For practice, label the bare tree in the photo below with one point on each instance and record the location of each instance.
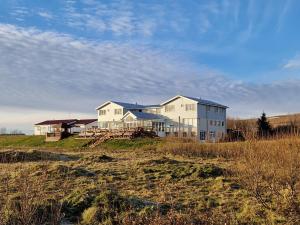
(3, 130)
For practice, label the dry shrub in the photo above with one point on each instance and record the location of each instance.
(191, 148)
(177, 218)
(29, 204)
(271, 172)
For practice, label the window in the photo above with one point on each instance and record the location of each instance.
(219, 123)
(222, 123)
(118, 111)
(207, 108)
(169, 108)
(102, 112)
(215, 122)
(216, 109)
(103, 125)
(211, 122)
(202, 135)
(158, 111)
(212, 135)
(190, 107)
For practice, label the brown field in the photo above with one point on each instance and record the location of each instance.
(149, 181)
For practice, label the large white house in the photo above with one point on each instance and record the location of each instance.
(179, 116)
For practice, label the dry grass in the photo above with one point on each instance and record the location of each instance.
(168, 181)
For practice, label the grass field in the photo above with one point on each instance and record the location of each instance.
(149, 181)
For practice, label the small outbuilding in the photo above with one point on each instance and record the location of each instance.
(70, 126)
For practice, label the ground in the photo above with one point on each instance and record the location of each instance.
(145, 180)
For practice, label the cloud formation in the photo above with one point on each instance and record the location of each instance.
(56, 72)
(293, 63)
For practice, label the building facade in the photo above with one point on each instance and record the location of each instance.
(69, 125)
(180, 116)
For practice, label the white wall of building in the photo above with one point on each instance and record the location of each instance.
(212, 119)
(110, 113)
(42, 129)
(184, 116)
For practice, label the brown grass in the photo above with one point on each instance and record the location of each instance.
(173, 181)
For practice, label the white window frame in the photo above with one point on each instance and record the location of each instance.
(190, 107)
(102, 112)
(118, 111)
(169, 108)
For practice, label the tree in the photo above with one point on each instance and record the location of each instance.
(3, 130)
(264, 127)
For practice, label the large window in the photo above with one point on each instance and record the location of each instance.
(118, 111)
(202, 135)
(216, 109)
(169, 108)
(102, 112)
(190, 107)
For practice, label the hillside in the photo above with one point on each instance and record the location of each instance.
(278, 120)
(149, 181)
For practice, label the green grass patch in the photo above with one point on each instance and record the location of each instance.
(130, 144)
(39, 141)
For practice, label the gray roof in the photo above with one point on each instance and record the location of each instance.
(146, 116)
(152, 106)
(123, 104)
(206, 102)
(129, 105)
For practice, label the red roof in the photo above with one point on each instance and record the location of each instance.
(67, 121)
(52, 122)
(86, 121)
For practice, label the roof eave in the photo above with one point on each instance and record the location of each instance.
(177, 96)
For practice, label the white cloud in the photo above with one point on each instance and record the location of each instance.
(56, 72)
(282, 14)
(293, 63)
(46, 15)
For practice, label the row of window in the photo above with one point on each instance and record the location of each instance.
(214, 109)
(188, 107)
(212, 135)
(216, 123)
(102, 112)
(192, 107)
(171, 108)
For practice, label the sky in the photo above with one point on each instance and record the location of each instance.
(62, 58)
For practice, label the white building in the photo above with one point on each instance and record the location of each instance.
(179, 116)
(70, 125)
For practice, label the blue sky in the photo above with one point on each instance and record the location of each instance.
(63, 58)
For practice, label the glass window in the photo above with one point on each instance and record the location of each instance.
(222, 123)
(202, 135)
(118, 111)
(211, 122)
(169, 108)
(216, 109)
(190, 107)
(102, 112)
(212, 134)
